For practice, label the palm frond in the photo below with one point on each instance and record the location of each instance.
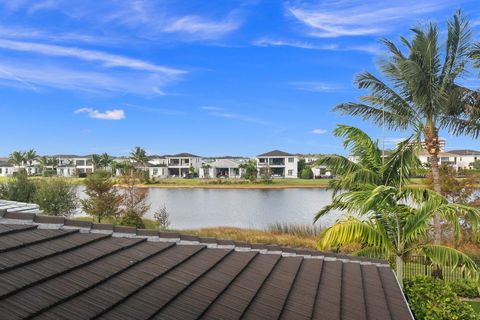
(377, 115)
(446, 256)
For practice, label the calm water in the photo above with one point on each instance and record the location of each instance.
(197, 208)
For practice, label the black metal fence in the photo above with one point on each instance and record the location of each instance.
(421, 266)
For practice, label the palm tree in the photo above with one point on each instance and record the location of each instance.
(42, 163)
(371, 166)
(96, 160)
(17, 158)
(424, 95)
(139, 155)
(105, 160)
(385, 225)
(30, 156)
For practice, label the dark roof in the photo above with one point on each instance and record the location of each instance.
(466, 152)
(183, 155)
(114, 272)
(5, 164)
(275, 153)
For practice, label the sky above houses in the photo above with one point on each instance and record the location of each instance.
(206, 77)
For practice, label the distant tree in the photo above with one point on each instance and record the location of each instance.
(191, 172)
(206, 171)
(306, 173)
(162, 217)
(30, 156)
(96, 161)
(17, 158)
(139, 155)
(103, 200)
(475, 165)
(250, 168)
(20, 188)
(105, 160)
(300, 166)
(42, 163)
(134, 201)
(55, 197)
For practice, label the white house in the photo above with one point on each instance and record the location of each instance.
(179, 164)
(66, 170)
(221, 168)
(447, 158)
(6, 169)
(82, 164)
(280, 163)
(466, 157)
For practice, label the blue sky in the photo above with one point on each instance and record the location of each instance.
(207, 77)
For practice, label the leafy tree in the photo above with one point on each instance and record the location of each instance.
(250, 168)
(423, 94)
(55, 197)
(306, 173)
(387, 221)
(300, 166)
(105, 160)
(475, 165)
(134, 201)
(17, 158)
(20, 188)
(103, 200)
(96, 161)
(139, 155)
(30, 156)
(205, 168)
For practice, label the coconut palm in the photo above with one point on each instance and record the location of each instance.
(422, 93)
(96, 160)
(139, 155)
(17, 158)
(105, 160)
(30, 156)
(371, 167)
(382, 222)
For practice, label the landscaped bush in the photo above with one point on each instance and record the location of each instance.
(465, 288)
(433, 299)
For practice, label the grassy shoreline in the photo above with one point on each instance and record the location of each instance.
(178, 183)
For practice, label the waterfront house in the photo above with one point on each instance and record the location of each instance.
(281, 164)
(221, 168)
(6, 169)
(66, 170)
(179, 164)
(466, 157)
(444, 158)
(83, 164)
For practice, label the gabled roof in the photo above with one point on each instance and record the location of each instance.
(275, 153)
(57, 268)
(440, 154)
(465, 152)
(182, 155)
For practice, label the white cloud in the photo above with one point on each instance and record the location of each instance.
(115, 114)
(267, 42)
(331, 19)
(201, 27)
(107, 59)
(314, 86)
(222, 113)
(319, 131)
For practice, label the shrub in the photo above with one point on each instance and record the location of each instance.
(433, 299)
(162, 217)
(20, 188)
(465, 288)
(306, 173)
(132, 219)
(56, 197)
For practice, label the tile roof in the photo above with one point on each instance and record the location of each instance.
(182, 155)
(55, 268)
(466, 152)
(275, 153)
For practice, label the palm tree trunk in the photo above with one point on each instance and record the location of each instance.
(399, 270)
(433, 148)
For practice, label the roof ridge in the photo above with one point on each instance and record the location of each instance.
(58, 222)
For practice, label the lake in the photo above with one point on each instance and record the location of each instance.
(245, 208)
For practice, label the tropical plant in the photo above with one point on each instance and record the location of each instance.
(250, 168)
(423, 94)
(56, 197)
(206, 171)
(371, 166)
(387, 221)
(20, 188)
(17, 158)
(139, 155)
(30, 156)
(96, 161)
(105, 160)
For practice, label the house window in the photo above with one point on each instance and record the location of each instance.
(80, 162)
(155, 172)
(290, 172)
(0, 170)
(291, 160)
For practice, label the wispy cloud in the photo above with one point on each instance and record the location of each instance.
(107, 59)
(319, 131)
(315, 86)
(202, 28)
(268, 42)
(330, 19)
(222, 113)
(115, 114)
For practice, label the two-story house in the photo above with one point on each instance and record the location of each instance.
(281, 164)
(179, 164)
